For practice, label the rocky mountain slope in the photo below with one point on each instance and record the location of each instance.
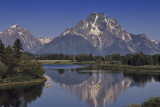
(102, 35)
(29, 42)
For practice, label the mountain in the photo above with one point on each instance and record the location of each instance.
(157, 43)
(29, 42)
(45, 40)
(69, 44)
(102, 35)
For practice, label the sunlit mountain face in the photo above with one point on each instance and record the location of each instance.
(100, 35)
(97, 34)
(82, 83)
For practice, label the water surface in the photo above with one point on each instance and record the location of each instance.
(75, 86)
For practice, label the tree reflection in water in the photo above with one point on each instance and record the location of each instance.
(20, 96)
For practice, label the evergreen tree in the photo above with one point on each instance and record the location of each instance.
(17, 50)
(9, 60)
(91, 57)
(1, 50)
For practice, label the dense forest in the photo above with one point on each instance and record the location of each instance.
(14, 61)
(138, 59)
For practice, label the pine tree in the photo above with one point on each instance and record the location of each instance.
(9, 61)
(90, 57)
(17, 47)
(17, 50)
(1, 50)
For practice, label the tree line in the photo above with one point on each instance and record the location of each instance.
(13, 61)
(137, 59)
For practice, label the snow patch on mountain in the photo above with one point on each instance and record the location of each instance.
(94, 29)
(45, 40)
(155, 41)
(29, 42)
(14, 26)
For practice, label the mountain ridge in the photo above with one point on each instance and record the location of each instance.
(29, 42)
(97, 34)
(108, 37)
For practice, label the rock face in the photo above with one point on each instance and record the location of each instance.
(104, 35)
(98, 34)
(29, 42)
(69, 44)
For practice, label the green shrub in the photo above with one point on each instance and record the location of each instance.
(3, 70)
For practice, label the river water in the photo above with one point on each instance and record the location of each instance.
(84, 86)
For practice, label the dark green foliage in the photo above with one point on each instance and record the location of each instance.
(83, 57)
(116, 57)
(138, 59)
(151, 102)
(91, 56)
(9, 60)
(17, 49)
(55, 57)
(128, 59)
(13, 61)
(1, 50)
(32, 68)
(3, 70)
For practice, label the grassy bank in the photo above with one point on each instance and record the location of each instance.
(120, 67)
(108, 66)
(64, 62)
(151, 102)
(16, 80)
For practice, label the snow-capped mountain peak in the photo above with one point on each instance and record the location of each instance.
(29, 42)
(14, 26)
(96, 28)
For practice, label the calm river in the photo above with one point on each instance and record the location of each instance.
(83, 86)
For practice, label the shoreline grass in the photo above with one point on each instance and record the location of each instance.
(151, 102)
(20, 80)
(64, 62)
(129, 68)
(107, 65)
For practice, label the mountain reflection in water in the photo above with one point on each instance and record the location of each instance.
(82, 84)
(74, 86)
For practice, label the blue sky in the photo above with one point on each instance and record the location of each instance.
(52, 17)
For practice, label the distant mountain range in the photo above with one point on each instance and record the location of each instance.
(98, 34)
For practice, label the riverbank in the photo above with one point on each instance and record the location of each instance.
(108, 66)
(151, 102)
(129, 68)
(64, 62)
(18, 80)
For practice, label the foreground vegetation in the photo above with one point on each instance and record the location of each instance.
(17, 67)
(151, 102)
